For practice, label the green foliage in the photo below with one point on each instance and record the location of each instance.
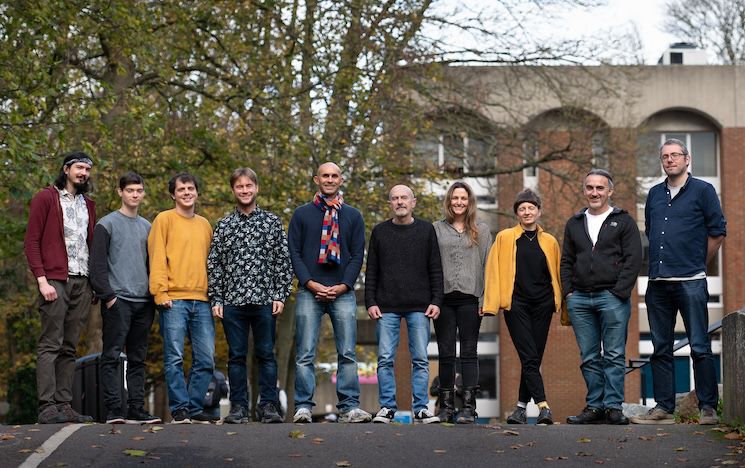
(21, 394)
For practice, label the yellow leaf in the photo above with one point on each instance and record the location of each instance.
(297, 435)
(680, 449)
(134, 453)
(584, 440)
(510, 433)
(343, 463)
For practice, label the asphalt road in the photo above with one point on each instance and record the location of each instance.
(367, 445)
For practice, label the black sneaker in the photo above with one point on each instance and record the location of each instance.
(140, 416)
(114, 417)
(545, 417)
(268, 413)
(615, 416)
(181, 416)
(385, 415)
(73, 416)
(519, 416)
(204, 418)
(589, 415)
(50, 415)
(238, 415)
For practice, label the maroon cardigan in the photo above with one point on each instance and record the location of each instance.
(44, 243)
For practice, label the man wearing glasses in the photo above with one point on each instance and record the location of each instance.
(685, 226)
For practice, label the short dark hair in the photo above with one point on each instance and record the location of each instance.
(131, 178)
(184, 178)
(601, 172)
(243, 172)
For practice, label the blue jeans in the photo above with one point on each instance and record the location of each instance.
(600, 318)
(237, 322)
(664, 299)
(343, 315)
(388, 331)
(193, 319)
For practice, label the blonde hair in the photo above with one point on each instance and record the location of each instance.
(471, 227)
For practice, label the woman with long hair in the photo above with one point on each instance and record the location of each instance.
(522, 279)
(464, 243)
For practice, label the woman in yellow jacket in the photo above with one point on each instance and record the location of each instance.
(522, 279)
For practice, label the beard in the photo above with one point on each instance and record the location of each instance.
(81, 187)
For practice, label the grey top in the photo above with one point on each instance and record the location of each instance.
(118, 263)
(463, 263)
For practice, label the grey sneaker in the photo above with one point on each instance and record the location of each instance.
(519, 416)
(708, 416)
(72, 415)
(50, 415)
(355, 415)
(425, 417)
(302, 415)
(656, 415)
(238, 415)
(385, 415)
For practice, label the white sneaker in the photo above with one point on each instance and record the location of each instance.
(385, 415)
(355, 415)
(302, 415)
(425, 417)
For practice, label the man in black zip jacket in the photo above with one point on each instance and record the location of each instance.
(600, 260)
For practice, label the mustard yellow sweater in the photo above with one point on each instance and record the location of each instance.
(499, 281)
(178, 248)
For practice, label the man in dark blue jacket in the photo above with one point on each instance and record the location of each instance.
(327, 245)
(685, 226)
(600, 261)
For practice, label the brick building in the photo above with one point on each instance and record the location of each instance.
(607, 116)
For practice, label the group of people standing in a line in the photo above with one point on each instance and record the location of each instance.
(449, 272)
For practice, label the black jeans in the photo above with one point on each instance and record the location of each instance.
(528, 324)
(125, 324)
(459, 314)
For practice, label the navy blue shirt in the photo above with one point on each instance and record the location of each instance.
(304, 237)
(679, 229)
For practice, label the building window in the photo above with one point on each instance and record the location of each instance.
(676, 58)
(457, 153)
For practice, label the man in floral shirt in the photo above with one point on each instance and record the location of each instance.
(250, 277)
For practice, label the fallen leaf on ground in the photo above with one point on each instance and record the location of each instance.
(446, 424)
(681, 449)
(682, 460)
(343, 463)
(647, 437)
(231, 433)
(499, 451)
(114, 430)
(318, 441)
(138, 438)
(440, 451)
(698, 433)
(297, 435)
(134, 453)
(583, 454)
(228, 459)
(599, 462)
(153, 457)
(729, 462)
(153, 429)
(7, 437)
(734, 436)
(584, 440)
(34, 430)
(368, 432)
(510, 433)
(295, 455)
(24, 451)
(96, 446)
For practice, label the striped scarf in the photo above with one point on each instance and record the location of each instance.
(330, 251)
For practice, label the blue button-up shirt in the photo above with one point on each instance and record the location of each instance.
(678, 229)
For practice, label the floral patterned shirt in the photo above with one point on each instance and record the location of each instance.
(75, 216)
(249, 262)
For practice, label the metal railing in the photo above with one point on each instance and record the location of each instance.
(635, 364)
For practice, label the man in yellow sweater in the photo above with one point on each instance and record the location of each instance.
(178, 245)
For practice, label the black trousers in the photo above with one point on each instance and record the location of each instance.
(459, 315)
(528, 324)
(126, 325)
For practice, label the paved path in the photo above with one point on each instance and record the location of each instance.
(366, 445)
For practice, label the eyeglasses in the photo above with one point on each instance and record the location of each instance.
(671, 156)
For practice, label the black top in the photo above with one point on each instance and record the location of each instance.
(404, 270)
(532, 278)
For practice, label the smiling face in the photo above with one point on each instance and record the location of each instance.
(185, 195)
(132, 195)
(597, 192)
(328, 179)
(77, 175)
(402, 202)
(528, 214)
(459, 202)
(245, 191)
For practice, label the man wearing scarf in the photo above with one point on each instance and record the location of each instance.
(57, 244)
(327, 246)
